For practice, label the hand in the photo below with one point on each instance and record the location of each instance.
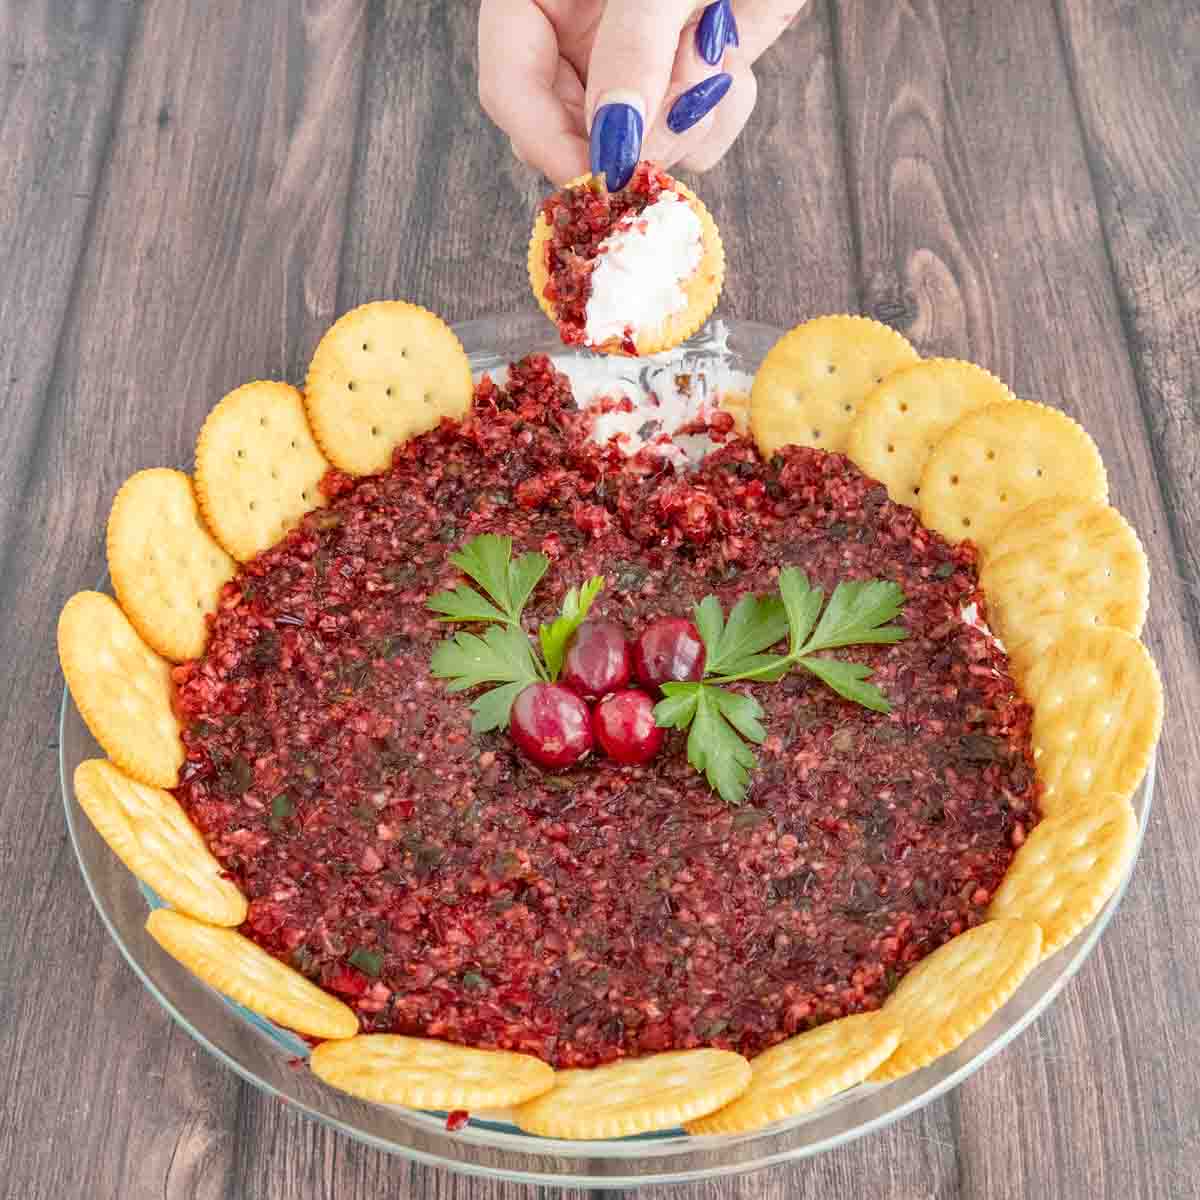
(583, 85)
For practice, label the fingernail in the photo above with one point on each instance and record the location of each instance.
(697, 102)
(712, 34)
(732, 37)
(616, 143)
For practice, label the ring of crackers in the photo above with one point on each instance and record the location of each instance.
(1056, 560)
(702, 288)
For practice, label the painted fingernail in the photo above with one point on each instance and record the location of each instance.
(697, 102)
(712, 34)
(732, 38)
(616, 142)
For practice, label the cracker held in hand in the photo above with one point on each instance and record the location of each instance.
(149, 832)
(950, 994)
(901, 421)
(814, 380)
(1063, 562)
(999, 460)
(1068, 867)
(384, 373)
(257, 467)
(166, 568)
(806, 1070)
(693, 297)
(636, 1095)
(244, 972)
(423, 1073)
(123, 690)
(1097, 713)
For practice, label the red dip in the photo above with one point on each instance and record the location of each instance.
(580, 218)
(443, 885)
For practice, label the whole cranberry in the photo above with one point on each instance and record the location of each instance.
(625, 728)
(669, 650)
(551, 724)
(598, 660)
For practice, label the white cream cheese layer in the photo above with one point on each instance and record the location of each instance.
(641, 269)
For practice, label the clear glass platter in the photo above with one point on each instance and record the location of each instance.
(720, 356)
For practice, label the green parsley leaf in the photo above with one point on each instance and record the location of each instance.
(554, 636)
(499, 656)
(715, 748)
(857, 614)
(464, 604)
(848, 680)
(492, 708)
(755, 623)
(369, 962)
(678, 706)
(488, 560)
(803, 604)
(502, 655)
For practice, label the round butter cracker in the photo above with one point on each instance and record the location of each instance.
(423, 1073)
(258, 468)
(953, 991)
(238, 968)
(1097, 713)
(1059, 563)
(635, 1095)
(1067, 868)
(813, 381)
(123, 690)
(166, 568)
(901, 421)
(383, 373)
(151, 834)
(1000, 459)
(702, 288)
(804, 1071)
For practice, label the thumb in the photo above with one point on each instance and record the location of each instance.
(628, 75)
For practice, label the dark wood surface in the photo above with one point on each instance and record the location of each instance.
(189, 193)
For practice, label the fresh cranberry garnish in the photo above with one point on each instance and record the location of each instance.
(598, 660)
(551, 724)
(457, 1119)
(625, 727)
(669, 651)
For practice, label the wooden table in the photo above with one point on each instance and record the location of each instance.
(190, 192)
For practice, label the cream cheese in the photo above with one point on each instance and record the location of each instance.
(640, 270)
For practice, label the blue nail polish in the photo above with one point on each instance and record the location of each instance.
(616, 143)
(697, 102)
(712, 34)
(732, 38)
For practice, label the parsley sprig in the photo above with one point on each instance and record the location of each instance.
(503, 653)
(721, 722)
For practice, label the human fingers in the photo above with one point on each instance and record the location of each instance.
(629, 73)
(530, 92)
(728, 120)
(759, 23)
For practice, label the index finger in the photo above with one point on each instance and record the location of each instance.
(529, 91)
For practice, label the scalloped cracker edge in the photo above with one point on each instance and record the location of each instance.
(123, 690)
(383, 373)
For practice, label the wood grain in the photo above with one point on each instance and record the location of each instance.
(192, 192)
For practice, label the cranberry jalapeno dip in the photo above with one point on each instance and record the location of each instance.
(443, 885)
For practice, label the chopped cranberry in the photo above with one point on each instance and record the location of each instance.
(598, 660)
(551, 724)
(669, 651)
(625, 727)
(457, 1119)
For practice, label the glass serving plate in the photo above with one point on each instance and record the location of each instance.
(720, 356)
